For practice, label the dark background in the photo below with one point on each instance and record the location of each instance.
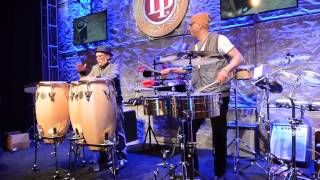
(20, 62)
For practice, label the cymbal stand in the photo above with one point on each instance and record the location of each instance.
(294, 122)
(189, 145)
(268, 156)
(237, 140)
(148, 133)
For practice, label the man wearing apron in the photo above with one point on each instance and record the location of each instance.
(106, 68)
(223, 58)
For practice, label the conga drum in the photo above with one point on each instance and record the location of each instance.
(97, 110)
(52, 110)
(74, 108)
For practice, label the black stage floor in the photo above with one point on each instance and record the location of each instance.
(141, 165)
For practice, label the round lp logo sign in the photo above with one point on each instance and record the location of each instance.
(157, 18)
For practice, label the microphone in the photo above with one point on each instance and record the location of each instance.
(150, 74)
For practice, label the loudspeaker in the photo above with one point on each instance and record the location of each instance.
(130, 125)
(281, 142)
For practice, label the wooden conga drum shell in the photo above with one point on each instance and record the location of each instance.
(74, 108)
(98, 111)
(52, 110)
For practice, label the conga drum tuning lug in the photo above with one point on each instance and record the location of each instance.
(107, 94)
(88, 95)
(72, 96)
(36, 96)
(51, 95)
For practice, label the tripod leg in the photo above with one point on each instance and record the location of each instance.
(36, 147)
(154, 137)
(56, 174)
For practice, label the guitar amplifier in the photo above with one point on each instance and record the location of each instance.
(281, 142)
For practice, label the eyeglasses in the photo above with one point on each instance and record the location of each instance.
(192, 24)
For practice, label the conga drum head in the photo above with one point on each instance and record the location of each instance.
(52, 110)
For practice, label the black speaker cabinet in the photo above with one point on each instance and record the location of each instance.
(281, 142)
(130, 125)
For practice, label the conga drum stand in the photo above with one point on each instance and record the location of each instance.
(56, 139)
(74, 150)
(108, 146)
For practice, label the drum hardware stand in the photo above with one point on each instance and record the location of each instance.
(188, 147)
(55, 138)
(72, 149)
(108, 146)
(149, 129)
(294, 122)
(268, 156)
(148, 133)
(237, 140)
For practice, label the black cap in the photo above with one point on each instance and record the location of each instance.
(104, 49)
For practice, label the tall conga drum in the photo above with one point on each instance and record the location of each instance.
(52, 109)
(97, 110)
(74, 108)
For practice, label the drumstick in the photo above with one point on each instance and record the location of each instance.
(149, 67)
(207, 86)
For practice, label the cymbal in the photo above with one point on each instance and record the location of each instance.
(311, 78)
(194, 54)
(286, 78)
(295, 60)
(197, 58)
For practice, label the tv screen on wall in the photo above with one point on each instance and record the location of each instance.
(90, 28)
(235, 8)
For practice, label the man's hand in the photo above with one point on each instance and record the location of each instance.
(222, 76)
(165, 72)
(81, 67)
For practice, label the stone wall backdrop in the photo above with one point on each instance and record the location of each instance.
(263, 39)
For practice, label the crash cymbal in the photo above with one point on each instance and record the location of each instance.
(295, 60)
(310, 78)
(286, 78)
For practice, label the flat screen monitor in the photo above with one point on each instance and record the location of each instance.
(236, 8)
(90, 28)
